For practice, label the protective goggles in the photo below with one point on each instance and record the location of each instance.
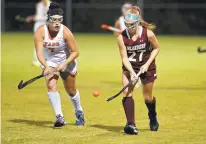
(56, 19)
(130, 24)
(134, 19)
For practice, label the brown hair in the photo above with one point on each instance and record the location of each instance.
(54, 9)
(136, 10)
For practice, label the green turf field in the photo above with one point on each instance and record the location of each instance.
(27, 116)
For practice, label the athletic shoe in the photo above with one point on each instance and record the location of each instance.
(59, 121)
(80, 118)
(130, 129)
(154, 125)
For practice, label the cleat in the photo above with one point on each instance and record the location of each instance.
(80, 118)
(59, 121)
(130, 129)
(36, 63)
(154, 125)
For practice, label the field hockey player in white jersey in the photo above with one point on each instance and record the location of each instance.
(39, 18)
(119, 24)
(57, 51)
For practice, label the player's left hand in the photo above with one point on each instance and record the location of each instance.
(61, 67)
(144, 68)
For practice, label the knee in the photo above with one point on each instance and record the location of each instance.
(71, 91)
(127, 93)
(51, 87)
(148, 97)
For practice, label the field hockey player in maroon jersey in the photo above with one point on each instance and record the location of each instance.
(138, 47)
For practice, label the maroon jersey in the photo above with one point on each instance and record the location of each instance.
(138, 51)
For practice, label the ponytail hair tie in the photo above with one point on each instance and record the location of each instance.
(134, 7)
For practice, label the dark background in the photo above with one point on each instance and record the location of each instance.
(180, 17)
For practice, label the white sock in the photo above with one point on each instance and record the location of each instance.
(76, 101)
(55, 101)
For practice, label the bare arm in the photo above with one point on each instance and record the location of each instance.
(69, 38)
(32, 17)
(117, 25)
(35, 17)
(124, 56)
(38, 41)
(155, 45)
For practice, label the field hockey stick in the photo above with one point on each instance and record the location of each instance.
(20, 19)
(107, 27)
(132, 81)
(23, 84)
(200, 50)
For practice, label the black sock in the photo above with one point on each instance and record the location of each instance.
(151, 107)
(128, 104)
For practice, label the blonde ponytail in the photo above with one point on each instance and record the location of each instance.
(147, 25)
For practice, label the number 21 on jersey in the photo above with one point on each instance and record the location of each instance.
(132, 58)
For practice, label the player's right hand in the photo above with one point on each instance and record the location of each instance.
(29, 19)
(134, 76)
(46, 70)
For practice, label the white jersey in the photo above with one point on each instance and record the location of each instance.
(56, 50)
(41, 14)
(122, 25)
